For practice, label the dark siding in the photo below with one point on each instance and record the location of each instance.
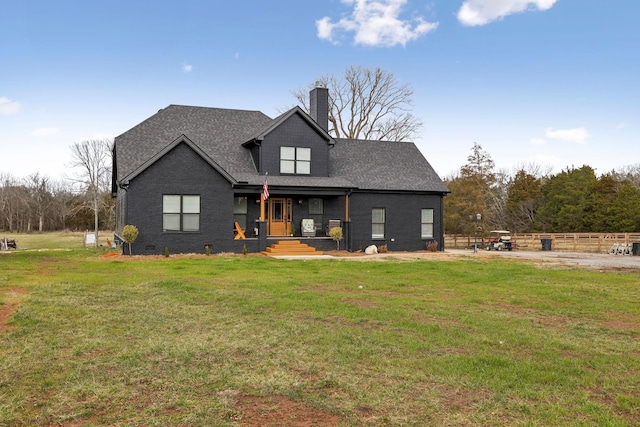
(295, 132)
(333, 209)
(255, 155)
(121, 210)
(402, 220)
(181, 171)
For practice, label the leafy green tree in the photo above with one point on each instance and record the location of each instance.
(524, 199)
(480, 167)
(623, 216)
(602, 195)
(568, 201)
(473, 191)
(457, 207)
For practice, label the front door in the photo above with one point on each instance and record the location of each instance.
(279, 217)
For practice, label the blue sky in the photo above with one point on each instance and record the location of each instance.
(554, 82)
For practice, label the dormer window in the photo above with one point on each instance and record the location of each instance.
(295, 160)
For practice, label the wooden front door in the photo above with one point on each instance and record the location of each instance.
(279, 217)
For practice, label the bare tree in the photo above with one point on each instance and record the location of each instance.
(61, 197)
(92, 160)
(14, 200)
(535, 169)
(367, 104)
(40, 197)
(6, 181)
(629, 173)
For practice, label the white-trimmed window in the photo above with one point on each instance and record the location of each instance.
(426, 224)
(295, 160)
(377, 223)
(180, 213)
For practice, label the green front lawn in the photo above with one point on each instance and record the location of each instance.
(178, 341)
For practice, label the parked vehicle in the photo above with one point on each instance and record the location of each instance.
(500, 240)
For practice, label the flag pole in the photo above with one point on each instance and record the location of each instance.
(264, 196)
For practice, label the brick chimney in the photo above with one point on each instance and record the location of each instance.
(319, 106)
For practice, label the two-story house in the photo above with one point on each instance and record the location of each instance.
(193, 177)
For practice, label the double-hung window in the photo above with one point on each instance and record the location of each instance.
(377, 223)
(240, 211)
(316, 210)
(295, 160)
(426, 224)
(180, 213)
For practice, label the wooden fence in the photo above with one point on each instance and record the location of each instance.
(572, 242)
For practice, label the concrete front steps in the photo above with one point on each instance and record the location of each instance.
(291, 248)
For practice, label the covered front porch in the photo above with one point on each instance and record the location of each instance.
(260, 222)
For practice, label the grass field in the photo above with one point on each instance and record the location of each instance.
(249, 340)
(57, 240)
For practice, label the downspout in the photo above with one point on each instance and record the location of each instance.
(442, 222)
(124, 186)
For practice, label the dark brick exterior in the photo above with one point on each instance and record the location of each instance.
(295, 132)
(181, 171)
(319, 106)
(402, 220)
(368, 175)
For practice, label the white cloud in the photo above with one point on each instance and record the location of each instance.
(577, 135)
(538, 141)
(8, 106)
(622, 125)
(45, 132)
(481, 12)
(375, 23)
(187, 68)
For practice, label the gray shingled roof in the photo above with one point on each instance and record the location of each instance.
(220, 133)
(384, 165)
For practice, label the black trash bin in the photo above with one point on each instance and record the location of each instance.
(635, 248)
(546, 244)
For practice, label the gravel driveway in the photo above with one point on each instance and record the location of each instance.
(604, 262)
(591, 260)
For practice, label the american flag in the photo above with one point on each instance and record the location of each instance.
(265, 189)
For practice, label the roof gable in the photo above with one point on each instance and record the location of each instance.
(180, 140)
(217, 132)
(275, 123)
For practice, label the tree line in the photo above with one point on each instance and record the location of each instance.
(82, 201)
(373, 104)
(531, 199)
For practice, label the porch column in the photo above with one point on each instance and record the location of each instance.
(346, 207)
(346, 229)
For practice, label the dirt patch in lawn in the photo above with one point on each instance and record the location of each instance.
(622, 322)
(254, 411)
(12, 296)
